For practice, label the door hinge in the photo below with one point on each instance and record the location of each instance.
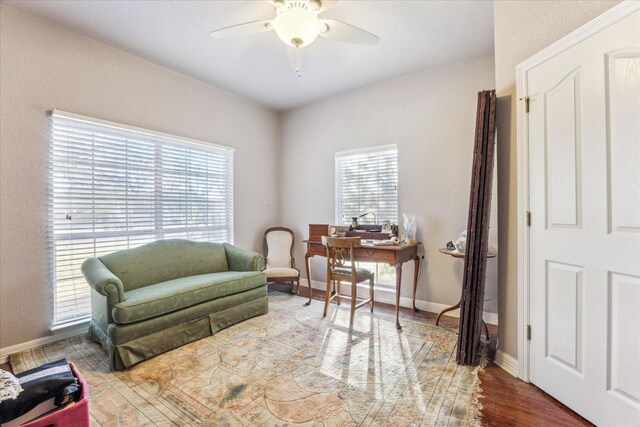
(526, 103)
(529, 332)
(529, 218)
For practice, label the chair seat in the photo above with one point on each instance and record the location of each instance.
(361, 273)
(276, 272)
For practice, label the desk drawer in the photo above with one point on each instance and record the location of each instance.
(375, 255)
(316, 249)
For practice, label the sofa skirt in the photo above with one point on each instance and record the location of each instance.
(133, 343)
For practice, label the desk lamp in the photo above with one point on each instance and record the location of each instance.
(354, 219)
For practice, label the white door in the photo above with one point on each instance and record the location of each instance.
(584, 154)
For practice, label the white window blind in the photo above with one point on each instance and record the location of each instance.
(115, 187)
(367, 181)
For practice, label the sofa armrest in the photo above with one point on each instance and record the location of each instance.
(242, 259)
(100, 278)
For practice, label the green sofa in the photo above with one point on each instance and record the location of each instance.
(159, 296)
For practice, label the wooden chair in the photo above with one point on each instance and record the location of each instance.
(341, 267)
(280, 266)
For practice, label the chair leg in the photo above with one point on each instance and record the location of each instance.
(371, 292)
(327, 296)
(337, 288)
(298, 286)
(354, 290)
(291, 287)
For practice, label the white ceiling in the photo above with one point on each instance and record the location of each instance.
(414, 35)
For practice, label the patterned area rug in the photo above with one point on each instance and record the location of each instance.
(289, 367)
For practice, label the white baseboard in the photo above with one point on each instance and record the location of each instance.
(506, 362)
(389, 297)
(71, 332)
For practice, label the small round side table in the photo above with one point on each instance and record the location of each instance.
(457, 254)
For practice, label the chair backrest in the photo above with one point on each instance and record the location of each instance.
(338, 250)
(277, 244)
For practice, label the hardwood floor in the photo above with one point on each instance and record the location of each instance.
(506, 401)
(510, 402)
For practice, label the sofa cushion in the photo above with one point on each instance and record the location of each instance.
(172, 295)
(165, 260)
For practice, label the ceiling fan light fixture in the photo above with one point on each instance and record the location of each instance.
(297, 23)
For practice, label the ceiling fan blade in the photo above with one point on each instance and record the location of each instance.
(347, 33)
(327, 4)
(245, 29)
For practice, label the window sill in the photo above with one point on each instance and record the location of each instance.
(76, 324)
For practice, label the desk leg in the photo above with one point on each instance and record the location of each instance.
(416, 272)
(308, 269)
(398, 281)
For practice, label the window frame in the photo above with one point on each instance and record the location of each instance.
(189, 152)
(339, 204)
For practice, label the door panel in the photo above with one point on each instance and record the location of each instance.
(623, 80)
(562, 146)
(624, 301)
(564, 316)
(584, 163)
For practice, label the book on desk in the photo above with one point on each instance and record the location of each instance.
(365, 231)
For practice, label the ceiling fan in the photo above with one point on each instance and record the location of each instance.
(297, 24)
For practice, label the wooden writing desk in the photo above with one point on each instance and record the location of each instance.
(393, 255)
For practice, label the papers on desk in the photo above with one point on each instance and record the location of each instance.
(390, 242)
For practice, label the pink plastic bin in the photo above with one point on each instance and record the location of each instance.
(76, 415)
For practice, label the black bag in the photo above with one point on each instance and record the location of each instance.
(51, 381)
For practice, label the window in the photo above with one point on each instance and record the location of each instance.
(114, 187)
(367, 181)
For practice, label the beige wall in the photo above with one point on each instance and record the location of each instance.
(43, 67)
(431, 117)
(522, 28)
